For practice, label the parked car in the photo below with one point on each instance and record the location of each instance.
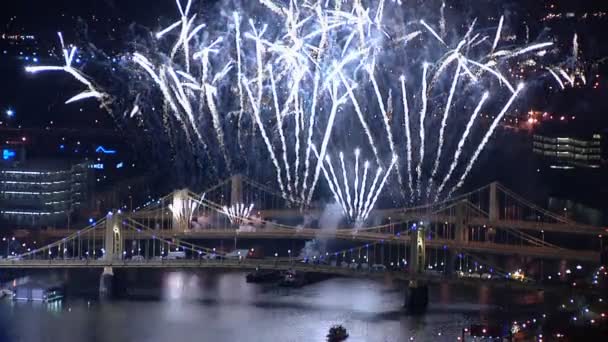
(176, 255)
(378, 268)
(237, 254)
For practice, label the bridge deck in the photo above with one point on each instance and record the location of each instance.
(363, 236)
(267, 264)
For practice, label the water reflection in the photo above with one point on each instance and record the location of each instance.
(215, 306)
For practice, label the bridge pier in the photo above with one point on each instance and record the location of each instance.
(450, 267)
(417, 294)
(112, 251)
(106, 283)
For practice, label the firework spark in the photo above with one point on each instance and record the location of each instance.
(289, 72)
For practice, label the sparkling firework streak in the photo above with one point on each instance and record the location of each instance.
(422, 129)
(358, 205)
(486, 138)
(68, 56)
(183, 209)
(461, 143)
(285, 70)
(238, 213)
(444, 122)
(408, 138)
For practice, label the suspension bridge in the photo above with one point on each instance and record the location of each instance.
(468, 232)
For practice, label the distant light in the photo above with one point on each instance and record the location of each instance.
(10, 113)
(101, 149)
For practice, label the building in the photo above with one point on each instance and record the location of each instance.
(42, 193)
(569, 153)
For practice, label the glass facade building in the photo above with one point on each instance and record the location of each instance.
(569, 153)
(42, 196)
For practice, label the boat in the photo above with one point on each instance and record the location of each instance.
(38, 294)
(264, 276)
(293, 279)
(6, 293)
(53, 294)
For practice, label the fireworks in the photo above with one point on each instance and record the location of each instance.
(301, 74)
(356, 205)
(237, 213)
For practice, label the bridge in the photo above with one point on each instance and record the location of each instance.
(477, 232)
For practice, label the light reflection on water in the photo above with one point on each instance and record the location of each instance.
(223, 307)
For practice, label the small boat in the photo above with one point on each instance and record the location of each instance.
(6, 293)
(53, 294)
(293, 279)
(264, 276)
(38, 294)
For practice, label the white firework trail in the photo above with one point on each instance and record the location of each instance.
(422, 129)
(461, 143)
(296, 116)
(334, 178)
(575, 47)
(217, 124)
(567, 77)
(379, 190)
(293, 51)
(68, 56)
(238, 213)
(379, 13)
(311, 126)
(280, 128)
(442, 21)
(510, 54)
(557, 78)
(360, 115)
(186, 34)
(385, 119)
(408, 138)
(330, 183)
(239, 76)
(256, 114)
(487, 136)
(363, 186)
(134, 111)
(356, 197)
(444, 122)
(432, 31)
(346, 186)
(336, 103)
(498, 33)
(357, 206)
(361, 216)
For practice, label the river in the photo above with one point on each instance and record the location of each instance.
(221, 306)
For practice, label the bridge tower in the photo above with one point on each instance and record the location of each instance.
(417, 296)
(494, 210)
(181, 210)
(112, 252)
(236, 193)
(461, 234)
